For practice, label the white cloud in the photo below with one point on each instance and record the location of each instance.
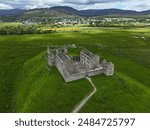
(5, 6)
(138, 5)
(78, 4)
(30, 4)
(92, 1)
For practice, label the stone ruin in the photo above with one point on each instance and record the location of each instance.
(78, 67)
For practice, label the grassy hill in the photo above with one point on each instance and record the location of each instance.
(53, 12)
(12, 59)
(61, 12)
(11, 12)
(27, 86)
(127, 91)
(40, 15)
(40, 90)
(57, 11)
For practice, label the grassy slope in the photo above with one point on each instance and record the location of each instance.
(118, 94)
(40, 90)
(128, 90)
(140, 55)
(9, 24)
(130, 85)
(12, 60)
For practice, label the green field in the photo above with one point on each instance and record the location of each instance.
(3, 24)
(26, 85)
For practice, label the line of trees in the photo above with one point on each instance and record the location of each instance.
(22, 29)
(113, 24)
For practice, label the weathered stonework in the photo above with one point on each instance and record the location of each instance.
(78, 67)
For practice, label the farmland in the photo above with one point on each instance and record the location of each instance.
(27, 86)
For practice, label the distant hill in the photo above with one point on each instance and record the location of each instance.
(54, 12)
(103, 12)
(57, 11)
(147, 12)
(64, 11)
(11, 12)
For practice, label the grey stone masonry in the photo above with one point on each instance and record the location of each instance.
(78, 67)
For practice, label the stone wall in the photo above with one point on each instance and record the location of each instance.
(90, 61)
(95, 72)
(94, 62)
(76, 77)
(109, 69)
(59, 64)
(51, 59)
(84, 74)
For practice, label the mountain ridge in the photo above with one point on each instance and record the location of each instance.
(68, 11)
(11, 12)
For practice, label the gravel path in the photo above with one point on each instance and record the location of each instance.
(82, 103)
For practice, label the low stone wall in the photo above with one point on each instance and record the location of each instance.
(76, 77)
(95, 72)
(84, 74)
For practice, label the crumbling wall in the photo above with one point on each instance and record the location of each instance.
(89, 60)
(82, 75)
(51, 59)
(76, 77)
(109, 69)
(94, 62)
(95, 72)
(59, 64)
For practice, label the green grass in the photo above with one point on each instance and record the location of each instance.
(118, 94)
(128, 90)
(110, 37)
(27, 86)
(140, 55)
(12, 60)
(9, 24)
(40, 90)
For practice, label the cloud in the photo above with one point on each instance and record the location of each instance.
(5, 6)
(143, 6)
(30, 4)
(78, 4)
(138, 5)
(91, 1)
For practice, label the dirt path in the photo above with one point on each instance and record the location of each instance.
(82, 103)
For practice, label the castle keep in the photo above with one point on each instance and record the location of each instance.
(78, 67)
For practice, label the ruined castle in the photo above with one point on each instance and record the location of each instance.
(78, 67)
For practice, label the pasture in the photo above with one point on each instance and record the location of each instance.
(27, 86)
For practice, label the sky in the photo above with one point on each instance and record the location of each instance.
(138, 5)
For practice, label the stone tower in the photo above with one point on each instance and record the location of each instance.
(51, 56)
(109, 70)
(88, 59)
